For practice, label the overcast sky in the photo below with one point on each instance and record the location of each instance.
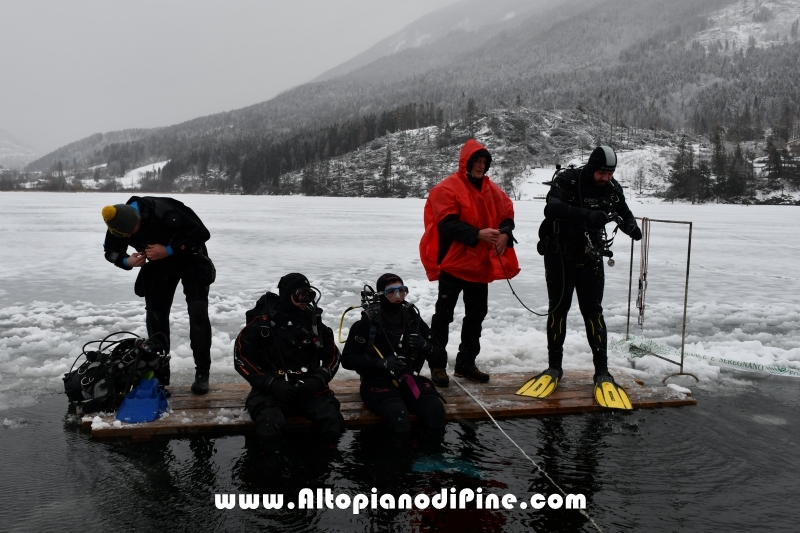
(70, 69)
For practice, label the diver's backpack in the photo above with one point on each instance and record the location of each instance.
(267, 305)
(567, 177)
(106, 376)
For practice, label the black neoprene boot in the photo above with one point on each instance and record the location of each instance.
(471, 372)
(200, 385)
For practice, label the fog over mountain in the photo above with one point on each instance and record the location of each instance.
(14, 153)
(478, 18)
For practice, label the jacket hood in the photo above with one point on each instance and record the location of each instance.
(467, 152)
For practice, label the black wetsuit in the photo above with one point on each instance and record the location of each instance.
(172, 224)
(279, 343)
(571, 264)
(391, 395)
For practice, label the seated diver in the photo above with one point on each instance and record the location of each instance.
(388, 348)
(289, 357)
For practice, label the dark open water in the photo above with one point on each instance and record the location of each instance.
(731, 463)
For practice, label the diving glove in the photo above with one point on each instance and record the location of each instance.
(596, 219)
(393, 364)
(284, 391)
(416, 342)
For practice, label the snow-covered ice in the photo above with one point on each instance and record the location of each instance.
(57, 291)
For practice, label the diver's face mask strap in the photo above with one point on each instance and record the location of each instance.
(315, 296)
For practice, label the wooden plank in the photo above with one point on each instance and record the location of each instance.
(221, 411)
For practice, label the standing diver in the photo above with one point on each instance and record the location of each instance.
(580, 203)
(388, 348)
(170, 242)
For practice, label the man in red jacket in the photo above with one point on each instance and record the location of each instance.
(467, 244)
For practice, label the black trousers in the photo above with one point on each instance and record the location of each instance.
(585, 276)
(393, 403)
(270, 416)
(476, 296)
(157, 282)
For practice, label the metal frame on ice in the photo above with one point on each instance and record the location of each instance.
(685, 299)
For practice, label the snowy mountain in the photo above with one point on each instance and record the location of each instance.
(14, 154)
(633, 66)
(476, 18)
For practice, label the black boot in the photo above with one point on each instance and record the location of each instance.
(471, 372)
(439, 377)
(200, 385)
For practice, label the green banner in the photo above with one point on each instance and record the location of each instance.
(638, 346)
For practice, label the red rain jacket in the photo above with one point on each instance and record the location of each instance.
(486, 208)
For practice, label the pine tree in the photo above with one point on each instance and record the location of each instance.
(704, 181)
(786, 127)
(386, 188)
(308, 183)
(719, 160)
(638, 180)
(758, 129)
(470, 117)
(737, 176)
(680, 172)
(774, 166)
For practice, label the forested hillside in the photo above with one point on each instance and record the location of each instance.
(633, 64)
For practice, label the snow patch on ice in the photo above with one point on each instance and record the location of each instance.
(14, 423)
(770, 420)
(678, 388)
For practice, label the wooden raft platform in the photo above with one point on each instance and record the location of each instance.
(221, 411)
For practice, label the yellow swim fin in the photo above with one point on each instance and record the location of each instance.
(609, 394)
(541, 386)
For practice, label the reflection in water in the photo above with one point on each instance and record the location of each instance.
(410, 468)
(705, 468)
(570, 457)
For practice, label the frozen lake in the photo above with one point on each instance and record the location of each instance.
(726, 464)
(58, 292)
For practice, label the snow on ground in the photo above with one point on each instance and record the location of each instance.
(58, 292)
(532, 183)
(651, 164)
(132, 178)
